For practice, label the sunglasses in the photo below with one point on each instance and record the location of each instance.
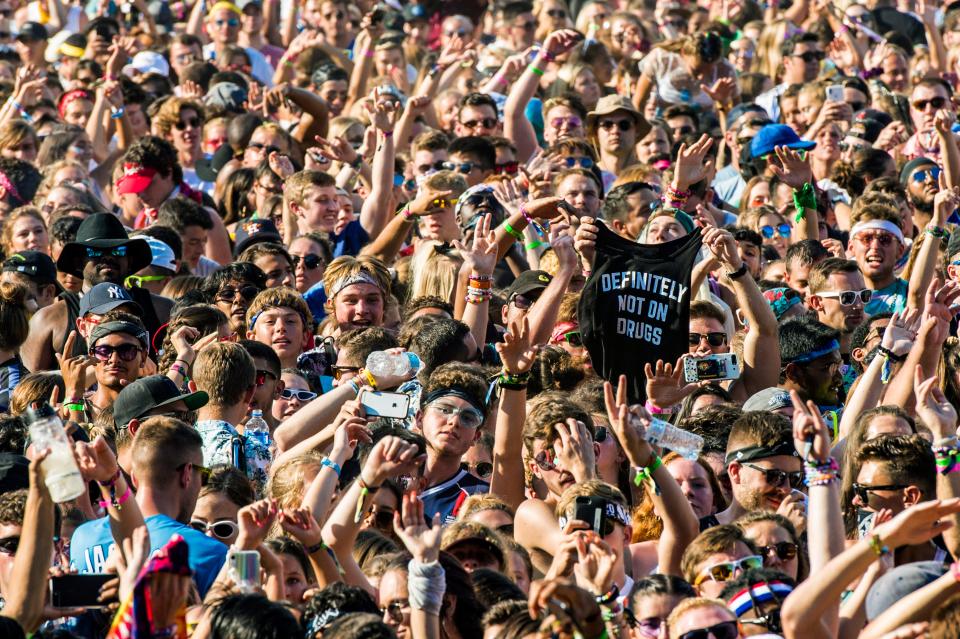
(649, 627)
(469, 417)
(776, 477)
(686, 129)
(882, 237)
(849, 298)
(223, 529)
(301, 395)
(230, 294)
(117, 251)
(310, 261)
(863, 492)
(436, 166)
(921, 176)
(557, 13)
(573, 338)
(546, 460)
(713, 339)
(126, 352)
(192, 123)
(726, 569)
(462, 167)
(609, 125)
(261, 377)
(785, 550)
(203, 470)
(722, 630)
(811, 56)
(583, 162)
(483, 470)
(526, 26)
(138, 280)
(382, 517)
(507, 168)
(572, 122)
(339, 371)
(266, 148)
(487, 123)
(442, 203)
(521, 302)
(9, 545)
(937, 103)
(232, 22)
(459, 34)
(781, 230)
(395, 609)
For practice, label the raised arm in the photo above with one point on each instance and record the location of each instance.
(796, 173)
(475, 279)
(945, 202)
(378, 207)
(543, 315)
(426, 580)
(387, 244)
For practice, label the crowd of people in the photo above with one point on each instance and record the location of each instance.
(510, 319)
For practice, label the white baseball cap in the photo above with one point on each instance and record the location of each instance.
(147, 62)
(162, 253)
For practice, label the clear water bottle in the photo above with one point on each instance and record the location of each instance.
(257, 428)
(60, 472)
(666, 435)
(381, 363)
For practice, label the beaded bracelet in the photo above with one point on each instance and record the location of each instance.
(112, 481)
(877, 546)
(317, 547)
(532, 222)
(609, 596)
(478, 295)
(822, 474)
(946, 460)
(937, 231)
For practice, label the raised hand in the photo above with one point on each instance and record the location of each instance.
(74, 369)
(939, 301)
(585, 240)
(943, 122)
(383, 114)
(351, 431)
(795, 170)
(562, 243)
(721, 91)
(918, 524)
(692, 163)
(338, 149)
(628, 423)
(794, 508)
(665, 386)
(136, 551)
(96, 461)
(390, 457)
(809, 429)
(901, 333)
(301, 525)
(724, 247)
(421, 540)
(191, 90)
(596, 560)
(559, 42)
(280, 164)
(515, 351)
(937, 413)
(481, 256)
(255, 521)
(574, 449)
(429, 202)
(574, 603)
(945, 202)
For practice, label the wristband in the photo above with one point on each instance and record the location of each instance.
(512, 231)
(111, 481)
(317, 547)
(117, 113)
(937, 231)
(177, 368)
(408, 215)
(368, 53)
(535, 245)
(365, 490)
(535, 71)
(645, 474)
(610, 595)
(740, 272)
(656, 410)
(356, 386)
(332, 465)
(804, 198)
(75, 406)
(955, 570)
(386, 134)
(116, 502)
(877, 546)
(368, 377)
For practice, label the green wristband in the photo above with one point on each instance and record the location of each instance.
(512, 231)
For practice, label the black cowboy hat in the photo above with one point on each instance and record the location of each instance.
(103, 231)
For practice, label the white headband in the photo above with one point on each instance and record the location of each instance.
(878, 225)
(361, 277)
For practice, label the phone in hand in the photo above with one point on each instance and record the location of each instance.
(384, 404)
(591, 510)
(719, 366)
(78, 591)
(835, 93)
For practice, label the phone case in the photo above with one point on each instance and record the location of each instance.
(381, 404)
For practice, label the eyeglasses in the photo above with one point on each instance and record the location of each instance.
(557, 13)
(261, 377)
(722, 630)
(921, 175)
(270, 188)
(338, 371)
(781, 230)
(266, 148)
(848, 298)
(937, 103)
(469, 417)
(713, 339)
(811, 56)
(192, 123)
(223, 529)
(863, 492)
(487, 123)
(483, 470)
(231, 22)
(608, 125)
(507, 168)
(395, 609)
(310, 261)
(460, 33)
(9, 545)
(573, 338)
(117, 251)
(776, 477)
(126, 352)
(301, 395)
(571, 162)
(881, 237)
(230, 294)
(726, 569)
(572, 122)
(785, 550)
(203, 470)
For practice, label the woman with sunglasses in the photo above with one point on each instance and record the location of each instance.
(180, 122)
(772, 226)
(297, 391)
(227, 491)
(652, 600)
(310, 254)
(777, 542)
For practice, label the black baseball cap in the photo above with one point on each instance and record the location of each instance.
(146, 394)
(14, 472)
(32, 32)
(254, 231)
(528, 282)
(104, 297)
(34, 264)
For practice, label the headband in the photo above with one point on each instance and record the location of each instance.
(456, 391)
(780, 300)
(69, 97)
(10, 188)
(611, 510)
(253, 320)
(750, 453)
(758, 593)
(71, 50)
(560, 330)
(360, 277)
(224, 4)
(879, 225)
(826, 349)
(109, 328)
(320, 622)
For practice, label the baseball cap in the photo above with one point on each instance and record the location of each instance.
(147, 62)
(769, 399)
(744, 108)
(163, 256)
(14, 472)
(866, 129)
(32, 32)
(253, 232)
(228, 96)
(911, 166)
(104, 297)
(33, 264)
(774, 135)
(136, 178)
(463, 533)
(139, 398)
(900, 582)
(529, 281)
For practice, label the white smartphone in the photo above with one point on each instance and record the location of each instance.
(722, 366)
(835, 93)
(381, 404)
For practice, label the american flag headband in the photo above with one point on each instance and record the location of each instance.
(758, 593)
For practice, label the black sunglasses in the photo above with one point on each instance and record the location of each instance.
(811, 56)
(623, 125)
(9, 545)
(487, 123)
(338, 371)
(776, 477)
(126, 352)
(483, 470)
(230, 294)
(785, 550)
(863, 492)
(713, 339)
(193, 123)
(722, 630)
(310, 261)
(203, 470)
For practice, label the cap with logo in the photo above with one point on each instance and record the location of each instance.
(528, 282)
(254, 231)
(147, 394)
(34, 264)
(104, 297)
(135, 179)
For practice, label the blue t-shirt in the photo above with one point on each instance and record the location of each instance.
(446, 498)
(889, 299)
(316, 297)
(91, 544)
(353, 238)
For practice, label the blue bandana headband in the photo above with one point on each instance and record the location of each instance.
(832, 345)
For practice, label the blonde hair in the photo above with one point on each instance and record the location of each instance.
(169, 114)
(348, 266)
(6, 236)
(767, 59)
(479, 503)
(282, 296)
(286, 483)
(434, 273)
(693, 603)
(33, 388)
(14, 132)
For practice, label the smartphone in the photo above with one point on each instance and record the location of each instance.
(383, 404)
(722, 366)
(244, 569)
(835, 93)
(591, 511)
(78, 591)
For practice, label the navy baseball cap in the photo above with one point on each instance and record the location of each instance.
(104, 297)
(774, 135)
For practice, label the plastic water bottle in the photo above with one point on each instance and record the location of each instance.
(257, 428)
(60, 472)
(666, 435)
(381, 363)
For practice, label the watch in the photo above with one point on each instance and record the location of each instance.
(740, 272)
